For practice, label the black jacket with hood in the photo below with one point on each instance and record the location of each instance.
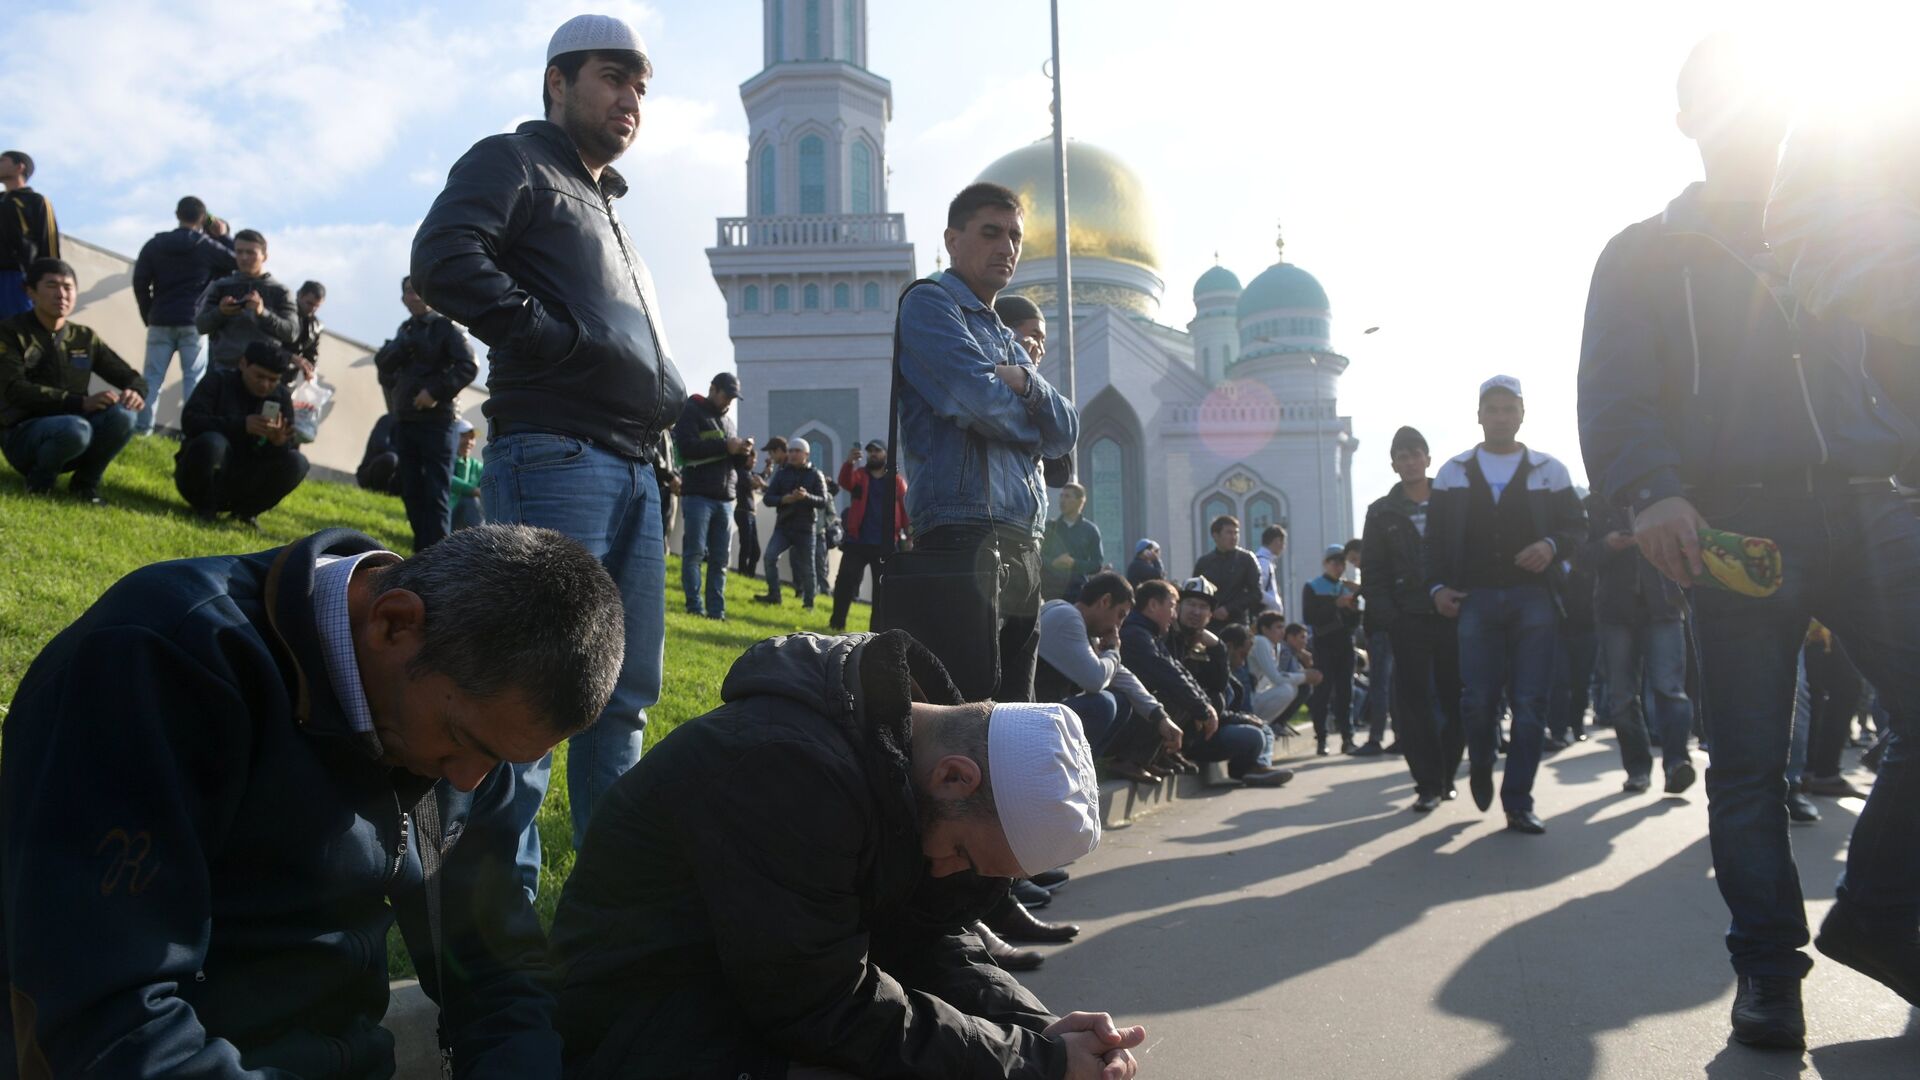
(754, 893)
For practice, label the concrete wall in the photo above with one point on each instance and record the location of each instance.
(107, 305)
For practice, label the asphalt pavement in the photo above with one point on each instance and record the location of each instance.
(1323, 930)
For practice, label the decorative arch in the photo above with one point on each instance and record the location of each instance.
(812, 151)
(782, 298)
(860, 177)
(1112, 466)
(823, 442)
(766, 180)
(750, 298)
(810, 297)
(842, 296)
(1246, 495)
(870, 295)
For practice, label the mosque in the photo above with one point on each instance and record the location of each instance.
(1236, 413)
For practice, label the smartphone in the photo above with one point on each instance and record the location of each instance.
(270, 412)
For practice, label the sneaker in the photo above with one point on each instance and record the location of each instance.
(1370, 749)
(1893, 960)
(1800, 808)
(1767, 1012)
(1680, 778)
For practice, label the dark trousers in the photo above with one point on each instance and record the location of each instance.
(1426, 671)
(854, 560)
(213, 476)
(1332, 703)
(427, 449)
(1019, 597)
(1833, 684)
(1572, 680)
(749, 527)
(1851, 560)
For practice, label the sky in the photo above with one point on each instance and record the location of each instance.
(1448, 171)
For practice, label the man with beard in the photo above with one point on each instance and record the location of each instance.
(524, 249)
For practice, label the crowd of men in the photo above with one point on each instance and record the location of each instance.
(816, 878)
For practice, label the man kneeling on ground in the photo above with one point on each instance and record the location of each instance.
(217, 781)
(782, 883)
(239, 453)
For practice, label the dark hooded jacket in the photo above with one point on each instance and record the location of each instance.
(754, 892)
(172, 271)
(1391, 549)
(200, 859)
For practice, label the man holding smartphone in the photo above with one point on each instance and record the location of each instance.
(524, 248)
(425, 367)
(247, 305)
(239, 455)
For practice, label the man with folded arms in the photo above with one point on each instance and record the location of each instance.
(780, 887)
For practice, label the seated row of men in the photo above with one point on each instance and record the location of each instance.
(70, 404)
(1158, 691)
(204, 853)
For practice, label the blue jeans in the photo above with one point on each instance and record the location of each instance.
(1239, 745)
(611, 505)
(427, 449)
(704, 536)
(1507, 634)
(1802, 722)
(44, 447)
(1379, 697)
(162, 343)
(800, 560)
(1852, 560)
(1102, 714)
(1659, 649)
(468, 512)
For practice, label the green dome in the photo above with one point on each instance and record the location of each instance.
(1281, 286)
(1218, 279)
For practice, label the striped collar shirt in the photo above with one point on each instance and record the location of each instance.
(331, 576)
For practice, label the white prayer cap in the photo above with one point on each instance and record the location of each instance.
(602, 33)
(462, 425)
(800, 445)
(1044, 787)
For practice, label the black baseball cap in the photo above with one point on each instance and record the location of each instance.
(727, 381)
(876, 444)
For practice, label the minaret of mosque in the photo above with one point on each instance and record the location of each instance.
(811, 273)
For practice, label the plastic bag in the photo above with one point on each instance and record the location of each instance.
(310, 398)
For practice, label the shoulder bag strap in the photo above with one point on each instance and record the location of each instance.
(893, 407)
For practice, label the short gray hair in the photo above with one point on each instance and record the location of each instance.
(511, 607)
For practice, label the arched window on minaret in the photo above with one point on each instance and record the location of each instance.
(862, 172)
(769, 183)
(870, 296)
(813, 175)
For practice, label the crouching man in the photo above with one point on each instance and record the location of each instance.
(779, 888)
(216, 782)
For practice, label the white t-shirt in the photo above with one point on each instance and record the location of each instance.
(1498, 469)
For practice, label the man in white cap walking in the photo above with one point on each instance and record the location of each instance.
(779, 889)
(524, 248)
(1501, 523)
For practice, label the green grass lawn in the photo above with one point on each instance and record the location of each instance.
(61, 555)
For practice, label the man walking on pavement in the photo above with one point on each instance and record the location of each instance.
(1710, 397)
(1501, 517)
(524, 248)
(1426, 647)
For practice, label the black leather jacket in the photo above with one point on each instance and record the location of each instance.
(524, 249)
(427, 353)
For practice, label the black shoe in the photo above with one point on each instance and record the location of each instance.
(1033, 896)
(1636, 784)
(721, 617)
(38, 491)
(1051, 879)
(1267, 777)
(1452, 794)
(763, 598)
(1012, 921)
(1893, 961)
(1005, 955)
(1320, 746)
(1370, 749)
(807, 606)
(1426, 804)
(1481, 783)
(1767, 1013)
(836, 628)
(1346, 746)
(1392, 748)
(248, 522)
(1835, 786)
(1578, 736)
(86, 493)
(1680, 778)
(1525, 821)
(1554, 745)
(1800, 809)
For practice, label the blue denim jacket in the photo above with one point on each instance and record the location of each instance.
(950, 399)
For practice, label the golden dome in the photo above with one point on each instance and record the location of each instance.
(1111, 215)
